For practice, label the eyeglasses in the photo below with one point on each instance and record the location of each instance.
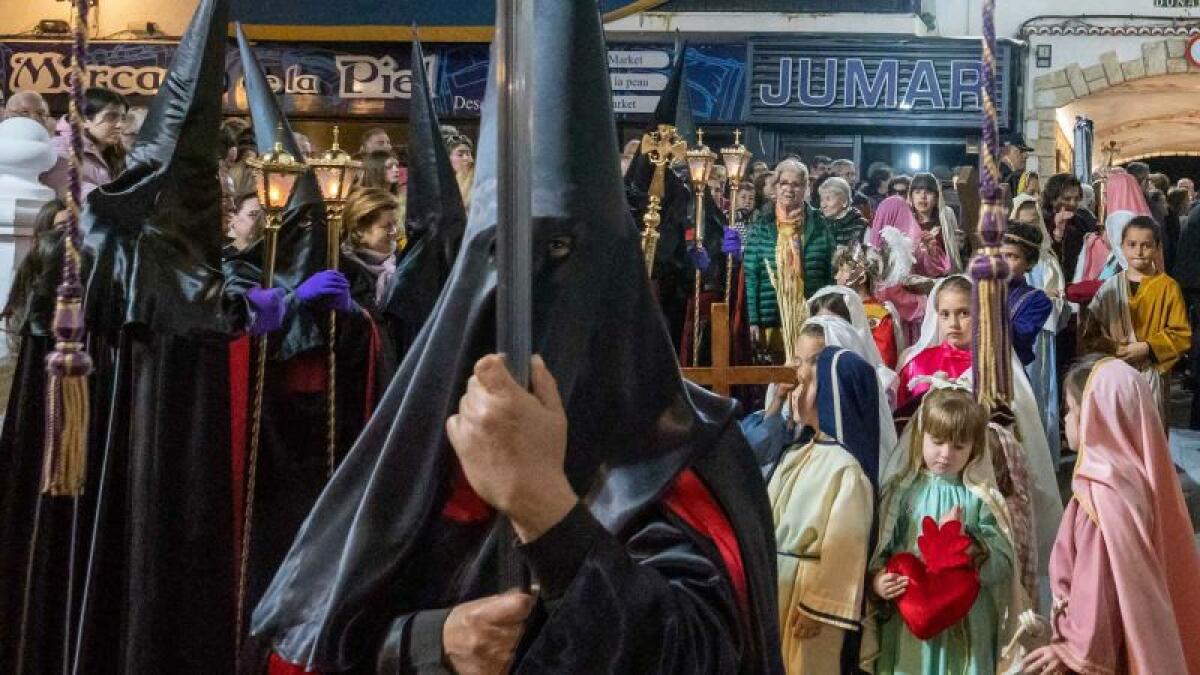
(29, 114)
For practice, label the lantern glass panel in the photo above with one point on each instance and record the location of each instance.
(699, 165)
(279, 188)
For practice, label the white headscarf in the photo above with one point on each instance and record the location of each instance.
(865, 345)
(839, 333)
(1047, 504)
(930, 332)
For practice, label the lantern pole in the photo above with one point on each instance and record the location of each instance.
(336, 173)
(275, 174)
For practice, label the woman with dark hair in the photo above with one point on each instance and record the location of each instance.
(899, 185)
(35, 277)
(1178, 206)
(103, 157)
(1065, 221)
(29, 314)
(381, 170)
(244, 221)
(462, 160)
(876, 187)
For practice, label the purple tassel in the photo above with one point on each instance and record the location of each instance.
(68, 366)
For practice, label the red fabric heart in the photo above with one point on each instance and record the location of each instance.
(943, 586)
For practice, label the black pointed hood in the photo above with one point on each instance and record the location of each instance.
(435, 218)
(154, 234)
(266, 118)
(633, 422)
(300, 251)
(674, 106)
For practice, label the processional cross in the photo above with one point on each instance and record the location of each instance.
(721, 376)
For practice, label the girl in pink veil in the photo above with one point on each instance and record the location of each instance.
(911, 264)
(1124, 568)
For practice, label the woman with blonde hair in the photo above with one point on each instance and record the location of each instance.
(462, 159)
(365, 350)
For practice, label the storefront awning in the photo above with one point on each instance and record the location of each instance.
(372, 21)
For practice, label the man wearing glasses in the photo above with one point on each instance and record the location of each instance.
(27, 104)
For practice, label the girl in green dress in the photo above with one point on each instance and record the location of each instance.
(946, 474)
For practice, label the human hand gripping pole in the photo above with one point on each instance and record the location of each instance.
(512, 445)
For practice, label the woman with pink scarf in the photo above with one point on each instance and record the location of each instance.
(1124, 568)
(914, 259)
(1101, 256)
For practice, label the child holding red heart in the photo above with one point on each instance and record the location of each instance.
(944, 575)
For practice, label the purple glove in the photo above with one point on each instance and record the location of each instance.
(700, 258)
(731, 245)
(266, 305)
(327, 289)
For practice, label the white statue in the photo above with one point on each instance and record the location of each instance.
(25, 153)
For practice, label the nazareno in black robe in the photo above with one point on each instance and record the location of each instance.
(156, 593)
(293, 460)
(644, 576)
(434, 221)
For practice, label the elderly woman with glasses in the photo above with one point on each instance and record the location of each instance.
(844, 221)
(793, 223)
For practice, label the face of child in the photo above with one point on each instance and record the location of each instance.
(844, 276)
(808, 350)
(1027, 213)
(1016, 259)
(745, 199)
(243, 225)
(1071, 423)
(943, 457)
(954, 318)
(804, 400)
(923, 200)
(1139, 248)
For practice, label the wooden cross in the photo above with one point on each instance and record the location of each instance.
(721, 376)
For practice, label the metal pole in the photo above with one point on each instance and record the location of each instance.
(729, 259)
(270, 239)
(333, 250)
(514, 188)
(699, 279)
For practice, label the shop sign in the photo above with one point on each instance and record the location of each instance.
(372, 79)
(873, 82)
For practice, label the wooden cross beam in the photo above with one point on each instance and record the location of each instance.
(720, 376)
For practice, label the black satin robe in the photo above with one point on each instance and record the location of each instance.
(655, 598)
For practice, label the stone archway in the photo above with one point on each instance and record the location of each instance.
(1097, 91)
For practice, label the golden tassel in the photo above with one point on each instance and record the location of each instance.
(64, 464)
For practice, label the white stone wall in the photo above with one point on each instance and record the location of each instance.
(1096, 63)
(111, 16)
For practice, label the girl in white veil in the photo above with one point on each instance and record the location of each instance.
(864, 342)
(1043, 488)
